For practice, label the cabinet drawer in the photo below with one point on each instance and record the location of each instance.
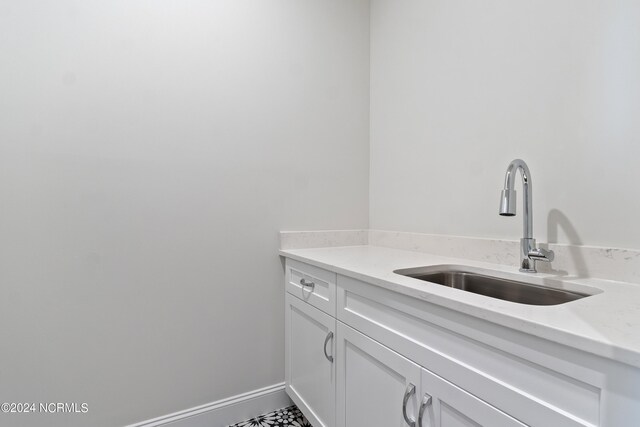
(312, 284)
(534, 385)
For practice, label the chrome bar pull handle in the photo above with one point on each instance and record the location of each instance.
(411, 389)
(426, 402)
(306, 284)
(326, 340)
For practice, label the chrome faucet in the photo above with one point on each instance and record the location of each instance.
(529, 254)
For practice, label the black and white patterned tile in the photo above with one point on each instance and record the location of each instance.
(285, 417)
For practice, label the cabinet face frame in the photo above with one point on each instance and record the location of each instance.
(317, 402)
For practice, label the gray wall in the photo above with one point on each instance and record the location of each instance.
(460, 88)
(150, 151)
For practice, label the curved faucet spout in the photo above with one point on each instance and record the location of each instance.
(508, 199)
(510, 176)
(529, 254)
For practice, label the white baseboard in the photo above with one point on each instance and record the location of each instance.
(226, 411)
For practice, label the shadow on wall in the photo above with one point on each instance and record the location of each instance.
(557, 220)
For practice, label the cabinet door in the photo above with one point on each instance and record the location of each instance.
(443, 404)
(309, 363)
(376, 387)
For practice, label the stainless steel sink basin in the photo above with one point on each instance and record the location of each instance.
(496, 287)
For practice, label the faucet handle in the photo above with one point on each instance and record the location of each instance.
(540, 254)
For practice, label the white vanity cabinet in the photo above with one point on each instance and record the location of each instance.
(361, 355)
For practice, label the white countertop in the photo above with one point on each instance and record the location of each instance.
(606, 324)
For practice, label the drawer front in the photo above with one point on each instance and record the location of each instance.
(533, 384)
(312, 284)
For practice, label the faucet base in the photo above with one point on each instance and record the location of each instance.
(527, 265)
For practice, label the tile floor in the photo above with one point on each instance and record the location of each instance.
(285, 417)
